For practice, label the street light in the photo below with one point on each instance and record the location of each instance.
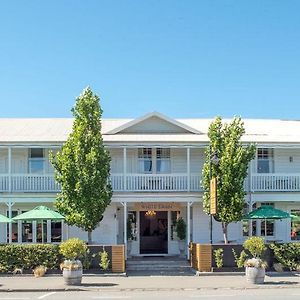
(213, 160)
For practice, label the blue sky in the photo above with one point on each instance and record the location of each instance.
(182, 58)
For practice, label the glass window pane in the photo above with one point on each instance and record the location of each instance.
(14, 227)
(26, 232)
(36, 153)
(36, 166)
(41, 232)
(56, 231)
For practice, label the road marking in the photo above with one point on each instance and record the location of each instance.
(46, 295)
(111, 297)
(14, 298)
(205, 296)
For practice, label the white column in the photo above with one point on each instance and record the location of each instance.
(125, 227)
(10, 204)
(62, 230)
(9, 170)
(188, 235)
(188, 169)
(124, 168)
(34, 231)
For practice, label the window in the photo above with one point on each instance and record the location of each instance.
(56, 231)
(295, 225)
(36, 160)
(145, 160)
(267, 227)
(163, 161)
(14, 227)
(264, 160)
(41, 232)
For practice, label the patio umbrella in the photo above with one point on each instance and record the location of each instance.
(39, 213)
(267, 212)
(4, 219)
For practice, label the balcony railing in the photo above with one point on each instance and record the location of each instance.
(275, 182)
(155, 182)
(131, 183)
(149, 183)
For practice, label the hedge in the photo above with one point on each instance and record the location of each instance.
(287, 254)
(28, 256)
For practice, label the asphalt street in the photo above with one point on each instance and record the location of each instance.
(259, 294)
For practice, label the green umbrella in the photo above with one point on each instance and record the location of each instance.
(39, 213)
(4, 219)
(267, 212)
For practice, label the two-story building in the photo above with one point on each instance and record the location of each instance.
(156, 178)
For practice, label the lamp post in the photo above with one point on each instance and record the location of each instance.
(213, 159)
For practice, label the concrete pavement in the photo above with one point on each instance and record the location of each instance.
(144, 283)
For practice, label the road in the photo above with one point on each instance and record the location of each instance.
(249, 294)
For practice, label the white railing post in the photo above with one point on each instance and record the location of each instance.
(124, 168)
(188, 169)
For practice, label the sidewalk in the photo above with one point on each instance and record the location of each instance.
(143, 283)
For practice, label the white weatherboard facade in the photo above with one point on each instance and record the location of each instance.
(156, 178)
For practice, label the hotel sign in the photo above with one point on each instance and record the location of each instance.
(157, 206)
(213, 196)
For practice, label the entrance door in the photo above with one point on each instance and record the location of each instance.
(154, 233)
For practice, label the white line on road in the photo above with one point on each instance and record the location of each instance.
(111, 297)
(46, 295)
(205, 296)
(18, 298)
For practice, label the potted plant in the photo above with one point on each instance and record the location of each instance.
(255, 266)
(72, 250)
(181, 233)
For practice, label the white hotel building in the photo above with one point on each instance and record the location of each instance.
(156, 166)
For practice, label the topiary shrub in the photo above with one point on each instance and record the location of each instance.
(181, 229)
(73, 249)
(255, 245)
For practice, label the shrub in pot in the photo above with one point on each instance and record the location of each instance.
(255, 266)
(181, 233)
(72, 250)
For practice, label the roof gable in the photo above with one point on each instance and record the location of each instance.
(154, 123)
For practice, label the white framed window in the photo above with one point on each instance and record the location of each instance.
(145, 160)
(36, 161)
(265, 160)
(270, 224)
(163, 160)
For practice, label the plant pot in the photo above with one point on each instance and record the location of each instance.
(72, 277)
(255, 275)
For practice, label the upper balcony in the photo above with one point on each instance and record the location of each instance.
(29, 183)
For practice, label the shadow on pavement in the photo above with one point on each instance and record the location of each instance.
(158, 273)
(281, 282)
(91, 284)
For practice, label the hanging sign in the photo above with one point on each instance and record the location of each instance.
(213, 196)
(157, 206)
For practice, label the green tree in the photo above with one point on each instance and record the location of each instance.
(230, 171)
(82, 167)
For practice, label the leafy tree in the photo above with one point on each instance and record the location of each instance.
(82, 167)
(230, 171)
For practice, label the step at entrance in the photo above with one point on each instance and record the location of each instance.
(159, 265)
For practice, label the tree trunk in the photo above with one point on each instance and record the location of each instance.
(89, 237)
(225, 233)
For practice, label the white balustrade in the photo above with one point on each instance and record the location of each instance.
(34, 183)
(276, 182)
(4, 183)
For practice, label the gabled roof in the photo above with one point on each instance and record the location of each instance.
(152, 123)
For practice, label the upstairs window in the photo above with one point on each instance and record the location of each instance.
(145, 160)
(163, 160)
(264, 160)
(36, 160)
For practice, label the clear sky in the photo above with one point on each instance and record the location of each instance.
(183, 58)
